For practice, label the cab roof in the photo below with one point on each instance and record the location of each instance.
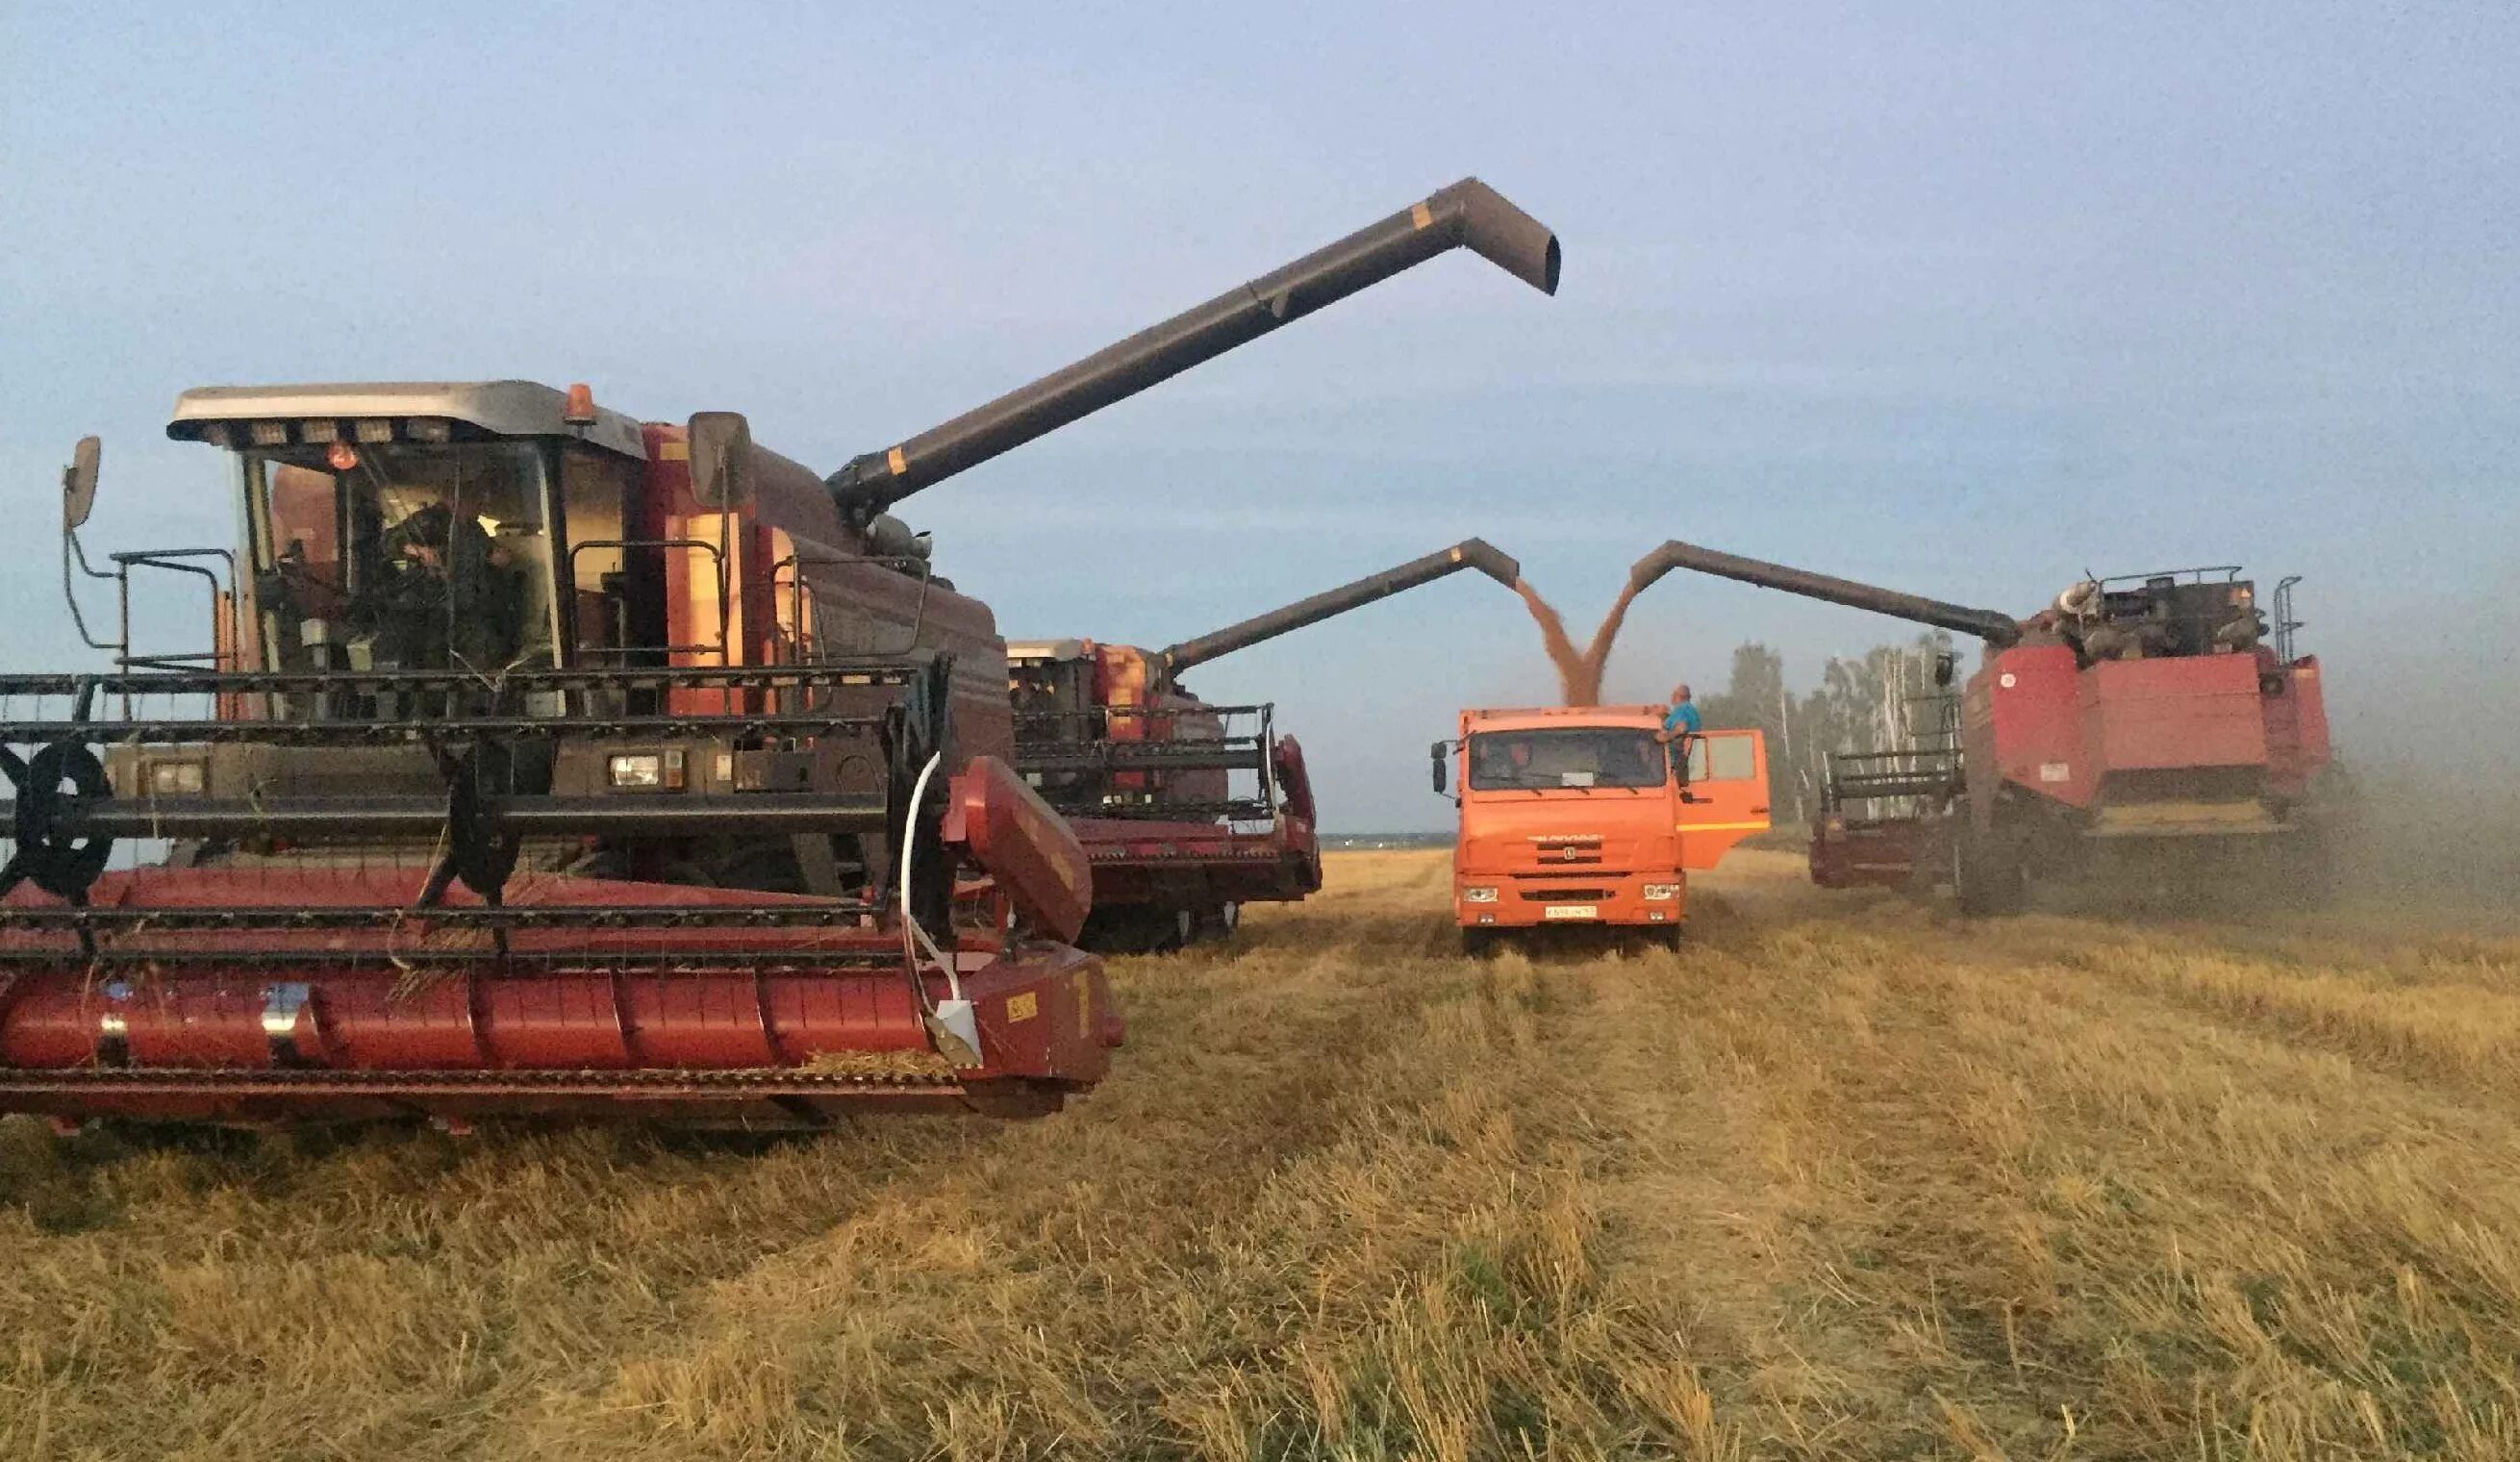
(503, 408)
(1070, 649)
(1552, 718)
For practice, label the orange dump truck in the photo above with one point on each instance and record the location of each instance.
(1577, 815)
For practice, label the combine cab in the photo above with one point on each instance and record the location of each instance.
(2147, 732)
(1187, 810)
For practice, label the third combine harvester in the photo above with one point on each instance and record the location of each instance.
(549, 761)
(2151, 729)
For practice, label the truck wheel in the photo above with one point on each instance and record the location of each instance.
(1477, 942)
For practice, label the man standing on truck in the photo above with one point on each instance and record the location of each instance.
(1682, 718)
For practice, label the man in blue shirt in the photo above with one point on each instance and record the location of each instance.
(1682, 718)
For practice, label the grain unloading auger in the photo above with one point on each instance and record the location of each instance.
(1188, 810)
(549, 761)
(2148, 727)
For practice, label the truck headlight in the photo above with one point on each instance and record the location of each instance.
(1661, 892)
(177, 777)
(644, 771)
(1479, 895)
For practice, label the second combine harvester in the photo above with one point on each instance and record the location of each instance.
(547, 760)
(1186, 809)
(2145, 731)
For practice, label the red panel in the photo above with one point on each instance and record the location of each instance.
(691, 1023)
(2021, 717)
(371, 1025)
(51, 1024)
(2199, 711)
(570, 1021)
(2302, 751)
(193, 1024)
(1294, 782)
(1024, 845)
(809, 1017)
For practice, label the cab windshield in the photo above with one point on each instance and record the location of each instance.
(1566, 756)
(410, 556)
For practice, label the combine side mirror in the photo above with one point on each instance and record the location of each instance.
(721, 452)
(78, 484)
(1435, 754)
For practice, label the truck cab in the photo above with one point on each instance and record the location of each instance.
(1581, 815)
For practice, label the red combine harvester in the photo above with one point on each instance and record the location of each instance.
(547, 761)
(1187, 810)
(2146, 729)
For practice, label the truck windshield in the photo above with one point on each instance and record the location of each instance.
(1568, 756)
(402, 556)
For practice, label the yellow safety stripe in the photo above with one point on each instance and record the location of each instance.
(1723, 827)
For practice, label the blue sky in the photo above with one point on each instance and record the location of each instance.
(1963, 298)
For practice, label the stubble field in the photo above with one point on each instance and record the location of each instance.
(1841, 1179)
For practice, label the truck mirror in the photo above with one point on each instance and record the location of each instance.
(1435, 754)
(721, 454)
(78, 484)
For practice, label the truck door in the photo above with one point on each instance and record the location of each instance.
(1723, 794)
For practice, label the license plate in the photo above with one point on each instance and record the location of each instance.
(1571, 911)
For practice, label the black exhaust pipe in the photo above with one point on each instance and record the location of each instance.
(1996, 629)
(1469, 553)
(1469, 214)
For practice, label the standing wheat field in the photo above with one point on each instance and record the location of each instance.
(1842, 1178)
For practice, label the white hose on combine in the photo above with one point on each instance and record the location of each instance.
(953, 1017)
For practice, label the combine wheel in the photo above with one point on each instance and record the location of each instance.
(1984, 878)
(1217, 921)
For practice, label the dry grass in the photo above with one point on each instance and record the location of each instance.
(1841, 1180)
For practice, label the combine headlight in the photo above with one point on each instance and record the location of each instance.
(1661, 892)
(375, 428)
(646, 771)
(1479, 895)
(428, 428)
(319, 430)
(271, 434)
(177, 777)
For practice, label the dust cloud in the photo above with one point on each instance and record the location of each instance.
(1579, 673)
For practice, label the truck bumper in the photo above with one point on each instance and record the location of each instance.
(1578, 900)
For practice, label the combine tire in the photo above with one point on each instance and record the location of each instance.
(1217, 923)
(1985, 880)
